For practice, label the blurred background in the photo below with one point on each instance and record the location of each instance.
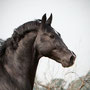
(71, 18)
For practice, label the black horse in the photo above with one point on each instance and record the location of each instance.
(20, 54)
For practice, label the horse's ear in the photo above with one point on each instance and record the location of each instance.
(49, 21)
(43, 20)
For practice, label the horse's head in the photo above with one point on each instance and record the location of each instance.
(50, 44)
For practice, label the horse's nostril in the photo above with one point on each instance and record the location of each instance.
(72, 58)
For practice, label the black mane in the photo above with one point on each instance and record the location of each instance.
(18, 34)
(32, 25)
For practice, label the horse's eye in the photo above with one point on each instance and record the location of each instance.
(52, 36)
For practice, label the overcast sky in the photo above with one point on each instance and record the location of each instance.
(70, 17)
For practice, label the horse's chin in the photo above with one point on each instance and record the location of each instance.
(66, 65)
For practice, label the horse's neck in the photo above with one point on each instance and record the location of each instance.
(23, 63)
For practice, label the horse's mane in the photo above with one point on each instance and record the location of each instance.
(18, 34)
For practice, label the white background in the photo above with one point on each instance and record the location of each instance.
(70, 17)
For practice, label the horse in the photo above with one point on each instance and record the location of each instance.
(20, 54)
